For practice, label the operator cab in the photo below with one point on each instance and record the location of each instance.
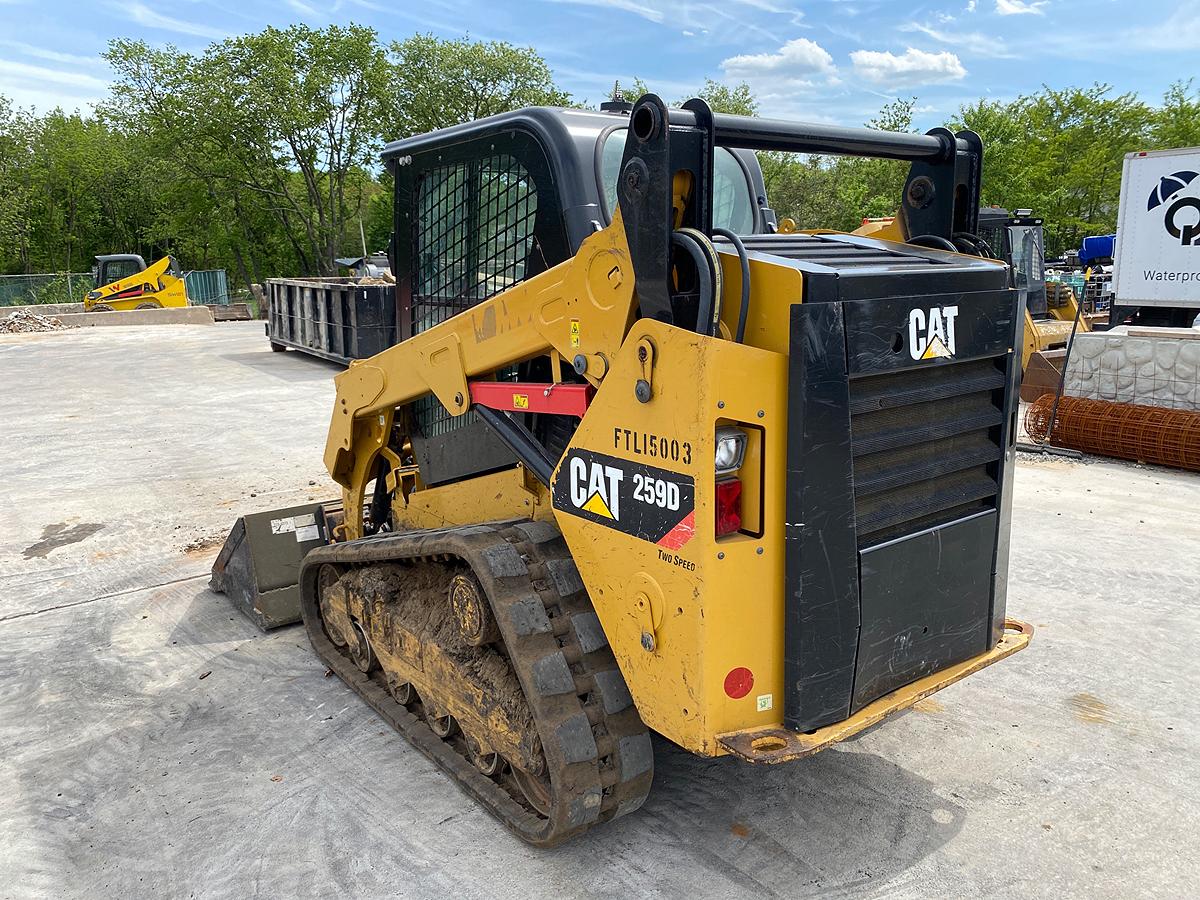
(116, 266)
(487, 204)
(1018, 240)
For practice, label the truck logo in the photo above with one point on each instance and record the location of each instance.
(931, 332)
(1182, 218)
(643, 501)
(596, 488)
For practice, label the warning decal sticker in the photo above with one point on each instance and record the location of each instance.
(643, 501)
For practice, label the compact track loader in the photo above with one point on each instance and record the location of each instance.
(641, 463)
(126, 282)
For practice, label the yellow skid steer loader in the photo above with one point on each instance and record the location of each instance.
(640, 462)
(128, 283)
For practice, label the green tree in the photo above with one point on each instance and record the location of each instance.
(260, 153)
(82, 197)
(281, 123)
(722, 98)
(438, 83)
(838, 191)
(14, 188)
(1177, 122)
(1059, 153)
(735, 99)
(211, 183)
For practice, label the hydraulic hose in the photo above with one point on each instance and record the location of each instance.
(381, 500)
(704, 312)
(933, 241)
(744, 312)
(977, 244)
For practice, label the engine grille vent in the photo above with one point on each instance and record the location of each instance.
(926, 445)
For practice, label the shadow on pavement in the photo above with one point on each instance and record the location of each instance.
(841, 822)
(288, 366)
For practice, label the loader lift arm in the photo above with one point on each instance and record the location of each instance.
(530, 319)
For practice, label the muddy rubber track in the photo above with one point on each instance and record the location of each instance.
(597, 749)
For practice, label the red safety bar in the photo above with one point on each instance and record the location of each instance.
(517, 396)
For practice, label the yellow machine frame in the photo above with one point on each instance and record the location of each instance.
(154, 287)
(673, 645)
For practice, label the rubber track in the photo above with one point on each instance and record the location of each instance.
(597, 749)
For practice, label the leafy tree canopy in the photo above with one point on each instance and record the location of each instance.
(260, 153)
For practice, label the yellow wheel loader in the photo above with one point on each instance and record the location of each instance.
(642, 463)
(128, 283)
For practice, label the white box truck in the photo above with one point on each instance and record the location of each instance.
(1156, 269)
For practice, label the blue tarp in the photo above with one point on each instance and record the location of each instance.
(1101, 246)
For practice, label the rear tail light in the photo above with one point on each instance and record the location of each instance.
(729, 506)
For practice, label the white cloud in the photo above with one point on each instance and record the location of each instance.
(797, 59)
(1020, 7)
(1180, 33)
(973, 43)
(43, 88)
(143, 15)
(26, 72)
(912, 68)
(303, 9)
(796, 16)
(764, 6)
(48, 54)
(971, 6)
(738, 21)
(630, 6)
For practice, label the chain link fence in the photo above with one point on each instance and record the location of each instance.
(61, 287)
(204, 286)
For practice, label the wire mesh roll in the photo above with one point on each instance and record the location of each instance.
(1152, 434)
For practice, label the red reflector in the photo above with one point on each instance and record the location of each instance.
(738, 682)
(729, 506)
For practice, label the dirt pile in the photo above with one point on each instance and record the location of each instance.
(25, 322)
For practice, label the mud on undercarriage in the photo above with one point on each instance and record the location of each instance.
(480, 645)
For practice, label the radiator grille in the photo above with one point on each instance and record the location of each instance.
(926, 446)
(474, 236)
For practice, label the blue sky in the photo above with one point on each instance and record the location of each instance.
(824, 60)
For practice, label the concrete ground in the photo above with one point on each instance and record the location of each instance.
(154, 743)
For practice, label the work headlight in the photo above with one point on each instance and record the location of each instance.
(731, 449)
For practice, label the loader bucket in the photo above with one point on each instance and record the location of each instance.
(259, 566)
(1042, 375)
